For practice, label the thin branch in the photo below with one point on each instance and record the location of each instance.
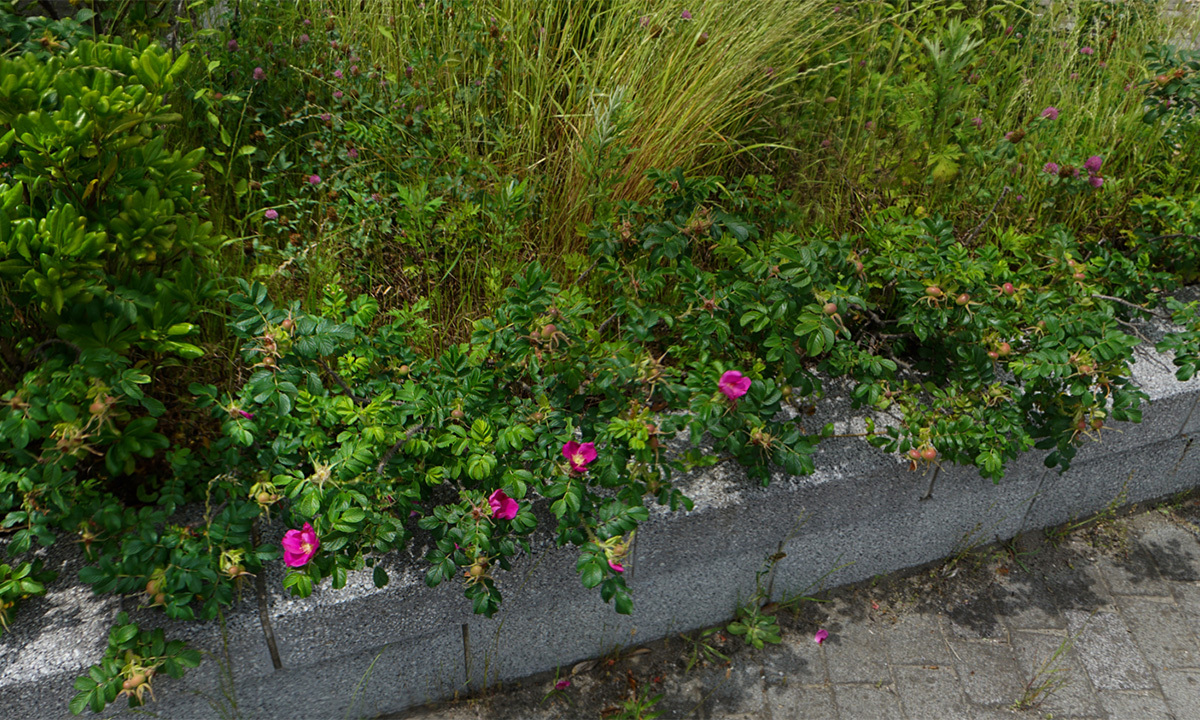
(606, 322)
(342, 383)
(45, 4)
(986, 218)
(585, 273)
(1135, 306)
(1173, 236)
(387, 456)
(264, 612)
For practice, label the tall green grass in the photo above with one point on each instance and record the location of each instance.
(891, 123)
(690, 87)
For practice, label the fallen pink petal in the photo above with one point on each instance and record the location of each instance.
(562, 684)
(819, 638)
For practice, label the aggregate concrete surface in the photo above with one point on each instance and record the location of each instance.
(1096, 619)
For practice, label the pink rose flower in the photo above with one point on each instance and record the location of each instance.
(733, 384)
(617, 567)
(299, 546)
(819, 638)
(579, 454)
(503, 507)
(245, 415)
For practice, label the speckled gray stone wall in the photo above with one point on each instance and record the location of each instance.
(861, 514)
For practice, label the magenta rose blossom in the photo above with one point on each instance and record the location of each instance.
(579, 454)
(617, 567)
(503, 507)
(299, 546)
(1050, 113)
(733, 384)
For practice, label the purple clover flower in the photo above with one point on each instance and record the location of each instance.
(337, 74)
(1050, 168)
(352, 153)
(259, 74)
(314, 179)
(1096, 181)
(232, 45)
(1086, 50)
(977, 122)
(271, 214)
(304, 38)
(1093, 164)
(1050, 113)
(685, 15)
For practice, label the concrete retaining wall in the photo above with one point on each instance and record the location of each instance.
(861, 514)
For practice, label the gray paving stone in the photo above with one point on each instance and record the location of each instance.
(1027, 603)
(988, 672)
(1120, 705)
(1072, 694)
(1161, 631)
(797, 661)
(1106, 649)
(740, 691)
(798, 702)
(918, 640)
(1181, 689)
(867, 701)
(1076, 586)
(857, 653)
(1175, 552)
(931, 691)
(1133, 574)
(1188, 598)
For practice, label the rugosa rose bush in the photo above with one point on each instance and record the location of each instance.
(343, 430)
